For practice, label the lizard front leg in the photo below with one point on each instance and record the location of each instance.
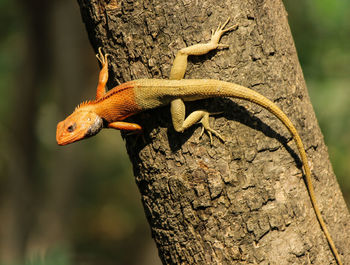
(125, 126)
(103, 76)
(177, 106)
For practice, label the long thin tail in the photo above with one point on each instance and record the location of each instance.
(194, 89)
(252, 96)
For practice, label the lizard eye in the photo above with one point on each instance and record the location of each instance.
(72, 127)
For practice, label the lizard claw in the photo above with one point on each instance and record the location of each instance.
(102, 58)
(216, 35)
(228, 29)
(206, 127)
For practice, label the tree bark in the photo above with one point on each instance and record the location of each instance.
(239, 202)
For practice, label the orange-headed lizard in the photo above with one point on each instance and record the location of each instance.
(111, 108)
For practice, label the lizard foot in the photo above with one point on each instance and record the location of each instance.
(216, 35)
(206, 127)
(102, 58)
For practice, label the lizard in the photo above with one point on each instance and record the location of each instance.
(110, 109)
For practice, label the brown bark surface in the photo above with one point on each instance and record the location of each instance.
(239, 202)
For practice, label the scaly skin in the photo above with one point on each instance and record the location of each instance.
(110, 109)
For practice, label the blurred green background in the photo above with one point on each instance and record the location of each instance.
(79, 204)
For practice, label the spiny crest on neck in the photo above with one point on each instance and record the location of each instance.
(84, 104)
(110, 93)
(118, 89)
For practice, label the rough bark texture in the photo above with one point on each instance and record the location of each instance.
(244, 201)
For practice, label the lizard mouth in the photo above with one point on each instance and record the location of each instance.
(67, 134)
(64, 137)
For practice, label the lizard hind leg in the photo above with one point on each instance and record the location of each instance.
(180, 123)
(177, 106)
(180, 62)
(202, 116)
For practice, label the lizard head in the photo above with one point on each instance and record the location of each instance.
(77, 126)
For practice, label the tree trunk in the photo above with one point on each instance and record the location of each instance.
(239, 202)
